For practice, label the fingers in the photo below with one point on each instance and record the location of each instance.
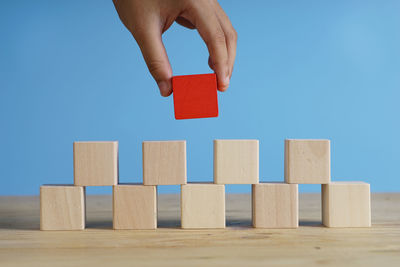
(230, 36)
(185, 23)
(153, 50)
(213, 35)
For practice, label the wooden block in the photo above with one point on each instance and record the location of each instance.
(346, 204)
(202, 205)
(195, 96)
(307, 161)
(62, 207)
(236, 161)
(134, 206)
(275, 205)
(164, 162)
(95, 163)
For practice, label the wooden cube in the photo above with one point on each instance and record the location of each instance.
(62, 207)
(275, 205)
(164, 162)
(134, 206)
(307, 161)
(202, 206)
(95, 163)
(346, 204)
(195, 96)
(236, 161)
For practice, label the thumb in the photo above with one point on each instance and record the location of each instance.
(155, 55)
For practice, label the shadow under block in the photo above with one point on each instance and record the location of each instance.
(164, 162)
(307, 161)
(195, 96)
(202, 206)
(95, 163)
(236, 161)
(134, 206)
(62, 207)
(346, 204)
(275, 205)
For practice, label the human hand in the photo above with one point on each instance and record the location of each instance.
(147, 20)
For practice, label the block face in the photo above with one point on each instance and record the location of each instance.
(346, 204)
(95, 163)
(275, 205)
(164, 162)
(134, 206)
(202, 206)
(195, 96)
(307, 161)
(236, 161)
(62, 207)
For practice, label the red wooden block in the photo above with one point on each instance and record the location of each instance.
(195, 96)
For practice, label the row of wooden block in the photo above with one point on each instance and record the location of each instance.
(274, 205)
(235, 162)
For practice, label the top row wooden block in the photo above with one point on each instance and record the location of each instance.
(307, 161)
(95, 163)
(164, 162)
(236, 161)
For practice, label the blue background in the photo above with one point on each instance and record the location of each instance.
(69, 71)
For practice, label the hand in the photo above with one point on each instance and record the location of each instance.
(147, 20)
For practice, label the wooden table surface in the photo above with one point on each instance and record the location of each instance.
(22, 244)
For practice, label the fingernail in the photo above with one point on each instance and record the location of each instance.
(164, 88)
(226, 81)
(225, 84)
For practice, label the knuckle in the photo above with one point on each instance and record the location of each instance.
(155, 67)
(231, 35)
(218, 38)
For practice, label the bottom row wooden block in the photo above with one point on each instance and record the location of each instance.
(62, 207)
(275, 205)
(134, 206)
(202, 205)
(346, 204)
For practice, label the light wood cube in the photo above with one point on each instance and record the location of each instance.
(95, 163)
(275, 205)
(164, 162)
(236, 161)
(134, 206)
(62, 207)
(202, 206)
(307, 161)
(346, 204)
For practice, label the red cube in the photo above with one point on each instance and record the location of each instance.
(195, 96)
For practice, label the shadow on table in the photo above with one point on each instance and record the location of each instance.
(310, 223)
(238, 223)
(101, 224)
(18, 225)
(169, 223)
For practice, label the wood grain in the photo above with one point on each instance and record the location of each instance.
(236, 161)
(22, 244)
(307, 161)
(134, 206)
(202, 206)
(275, 205)
(346, 204)
(62, 207)
(164, 162)
(95, 163)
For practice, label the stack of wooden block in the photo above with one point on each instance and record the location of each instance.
(274, 204)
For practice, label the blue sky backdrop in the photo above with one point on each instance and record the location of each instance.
(69, 70)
